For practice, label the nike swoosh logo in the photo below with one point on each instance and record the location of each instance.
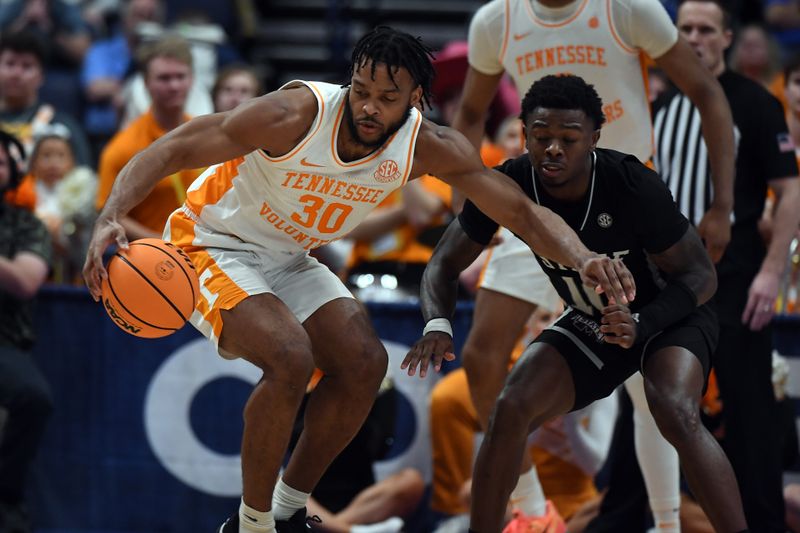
(250, 518)
(307, 164)
(520, 36)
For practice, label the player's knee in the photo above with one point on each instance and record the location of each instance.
(369, 363)
(510, 412)
(479, 360)
(678, 417)
(293, 365)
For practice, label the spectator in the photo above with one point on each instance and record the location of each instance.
(756, 56)
(784, 18)
(55, 22)
(749, 272)
(138, 99)
(234, 85)
(108, 63)
(167, 72)
(64, 200)
(25, 397)
(791, 75)
(348, 499)
(397, 240)
(21, 112)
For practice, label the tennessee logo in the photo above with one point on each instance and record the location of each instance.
(307, 164)
(387, 171)
(520, 36)
(594, 23)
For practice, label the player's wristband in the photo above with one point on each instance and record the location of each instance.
(438, 324)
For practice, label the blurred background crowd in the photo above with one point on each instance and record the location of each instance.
(86, 84)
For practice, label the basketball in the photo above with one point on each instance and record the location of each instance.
(151, 288)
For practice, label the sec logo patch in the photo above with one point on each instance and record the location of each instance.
(387, 171)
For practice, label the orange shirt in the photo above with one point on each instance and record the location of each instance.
(401, 245)
(167, 195)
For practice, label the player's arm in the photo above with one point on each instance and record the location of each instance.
(439, 288)
(470, 117)
(274, 122)
(445, 153)
(684, 68)
(763, 290)
(691, 281)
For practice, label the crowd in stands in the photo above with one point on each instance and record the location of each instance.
(86, 84)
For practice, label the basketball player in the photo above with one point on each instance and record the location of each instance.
(302, 166)
(619, 206)
(605, 42)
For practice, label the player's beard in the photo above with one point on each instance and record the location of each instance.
(390, 130)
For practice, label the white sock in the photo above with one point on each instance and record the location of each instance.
(251, 520)
(658, 461)
(286, 500)
(666, 516)
(390, 525)
(528, 495)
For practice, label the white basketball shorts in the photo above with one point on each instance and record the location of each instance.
(228, 276)
(512, 269)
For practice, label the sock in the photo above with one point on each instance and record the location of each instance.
(658, 461)
(251, 520)
(528, 496)
(286, 500)
(667, 519)
(390, 525)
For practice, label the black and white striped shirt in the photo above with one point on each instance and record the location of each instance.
(681, 156)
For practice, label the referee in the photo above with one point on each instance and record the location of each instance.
(749, 271)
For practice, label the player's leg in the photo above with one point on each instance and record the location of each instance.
(262, 330)
(512, 286)
(497, 323)
(349, 353)
(453, 425)
(674, 378)
(539, 388)
(658, 461)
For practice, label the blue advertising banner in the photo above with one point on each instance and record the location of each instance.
(145, 434)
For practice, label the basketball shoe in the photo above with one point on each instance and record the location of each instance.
(549, 522)
(297, 523)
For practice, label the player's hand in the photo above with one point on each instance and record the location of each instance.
(618, 326)
(761, 300)
(609, 276)
(106, 231)
(433, 348)
(715, 230)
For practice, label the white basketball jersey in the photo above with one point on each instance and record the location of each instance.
(586, 45)
(303, 199)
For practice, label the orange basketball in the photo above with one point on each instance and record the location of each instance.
(151, 288)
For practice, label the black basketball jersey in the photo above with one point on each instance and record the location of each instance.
(626, 213)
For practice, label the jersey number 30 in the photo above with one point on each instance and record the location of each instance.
(330, 221)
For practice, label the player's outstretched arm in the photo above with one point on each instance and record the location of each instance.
(454, 252)
(274, 122)
(691, 281)
(446, 154)
(683, 67)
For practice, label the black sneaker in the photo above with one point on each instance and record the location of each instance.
(231, 525)
(298, 523)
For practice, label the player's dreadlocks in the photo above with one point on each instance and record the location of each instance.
(564, 92)
(395, 49)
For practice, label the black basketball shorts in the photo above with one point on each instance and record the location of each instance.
(598, 367)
